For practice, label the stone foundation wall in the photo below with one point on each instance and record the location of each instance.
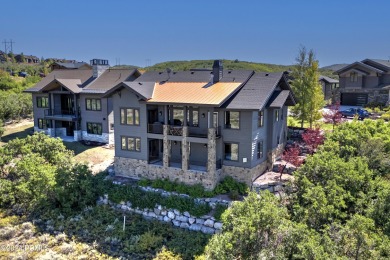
(103, 138)
(77, 135)
(244, 175)
(134, 168)
(60, 131)
(111, 138)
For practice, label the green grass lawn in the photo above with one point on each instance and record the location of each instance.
(291, 121)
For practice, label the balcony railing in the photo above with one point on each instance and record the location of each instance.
(60, 113)
(155, 128)
(178, 130)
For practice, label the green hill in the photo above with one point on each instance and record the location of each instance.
(227, 64)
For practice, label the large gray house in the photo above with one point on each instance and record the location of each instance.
(329, 86)
(70, 103)
(198, 126)
(364, 82)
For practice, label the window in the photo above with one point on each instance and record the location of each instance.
(231, 152)
(260, 119)
(178, 116)
(131, 143)
(43, 102)
(354, 77)
(44, 123)
(94, 128)
(195, 117)
(129, 116)
(93, 104)
(232, 120)
(277, 115)
(260, 149)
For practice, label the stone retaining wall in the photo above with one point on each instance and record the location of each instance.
(103, 138)
(205, 224)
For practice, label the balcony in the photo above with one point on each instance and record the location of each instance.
(58, 114)
(178, 130)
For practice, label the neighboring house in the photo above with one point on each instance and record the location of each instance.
(70, 65)
(69, 103)
(364, 82)
(199, 126)
(3, 57)
(27, 59)
(329, 86)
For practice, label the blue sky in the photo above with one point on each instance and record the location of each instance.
(339, 31)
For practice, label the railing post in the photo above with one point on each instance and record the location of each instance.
(166, 147)
(185, 151)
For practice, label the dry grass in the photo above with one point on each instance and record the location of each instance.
(17, 130)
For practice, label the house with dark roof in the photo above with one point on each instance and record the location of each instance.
(364, 82)
(70, 104)
(70, 65)
(329, 86)
(26, 58)
(199, 126)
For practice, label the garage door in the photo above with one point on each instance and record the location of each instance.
(354, 99)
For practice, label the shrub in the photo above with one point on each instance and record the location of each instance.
(149, 241)
(229, 184)
(219, 210)
(386, 116)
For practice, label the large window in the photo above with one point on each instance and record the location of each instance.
(354, 77)
(195, 116)
(131, 143)
(231, 152)
(44, 123)
(129, 116)
(260, 119)
(232, 120)
(94, 128)
(93, 104)
(43, 102)
(260, 149)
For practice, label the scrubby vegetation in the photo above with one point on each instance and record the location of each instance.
(337, 207)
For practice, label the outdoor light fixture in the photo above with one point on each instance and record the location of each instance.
(203, 115)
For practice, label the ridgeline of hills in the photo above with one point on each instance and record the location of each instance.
(228, 64)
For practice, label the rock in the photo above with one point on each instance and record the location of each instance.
(195, 227)
(207, 230)
(176, 223)
(124, 207)
(184, 225)
(176, 212)
(166, 219)
(213, 205)
(181, 218)
(138, 211)
(160, 218)
(129, 204)
(209, 223)
(191, 220)
(199, 221)
(218, 225)
(163, 212)
(157, 211)
(218, 231)
(171, 215)
(152, 214)
(187, 214)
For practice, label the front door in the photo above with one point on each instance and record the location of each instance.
(67, 105)
(69, 128)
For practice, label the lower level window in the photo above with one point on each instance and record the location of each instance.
(44, 123)
(131, 143)
(94, 128)
(260, 149)
(231, 152)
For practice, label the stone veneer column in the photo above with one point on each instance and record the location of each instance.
(211, 152)
(166, 146)
(185, 155)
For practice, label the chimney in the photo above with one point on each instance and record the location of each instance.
(217, 71)
(98, 67)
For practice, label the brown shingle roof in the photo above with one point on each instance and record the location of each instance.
(108, 80)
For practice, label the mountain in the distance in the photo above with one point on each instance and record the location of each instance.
(334, 67)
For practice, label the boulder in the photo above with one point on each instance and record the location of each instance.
(176, 223)
(157, 211)
(209, 223)
(187, 214)
(207, 230)
(166, 219)
(181, 218)
(176, 212)
(195, 227)
(171, 215)
(191, 220)
(218, 225)
(163, 212)
(184, 225)
(152, 214)
(199, 221)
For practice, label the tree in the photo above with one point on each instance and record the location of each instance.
(313, 138)
(307, 88)
(1, 129)
(22, 58)
(333, 115)
(290, 155)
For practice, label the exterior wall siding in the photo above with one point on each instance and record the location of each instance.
(37, 111)
(94, 116)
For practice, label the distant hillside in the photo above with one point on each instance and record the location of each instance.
(126, 67)
(227, 64)
(334, 67)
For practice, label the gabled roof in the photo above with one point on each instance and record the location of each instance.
(278, 98)
(83, 76)
(328, 80)
(380, 64)
(109, 79)
(258, 90)
(358, 63)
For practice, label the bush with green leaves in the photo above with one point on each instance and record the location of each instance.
(229, 185)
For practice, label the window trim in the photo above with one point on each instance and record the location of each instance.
(125, 116)
(238, 151)
(260, 118)
(40, 102)
(239, 120)
(260, 154)
(127, 143)
(96, 99)
(91, 127)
